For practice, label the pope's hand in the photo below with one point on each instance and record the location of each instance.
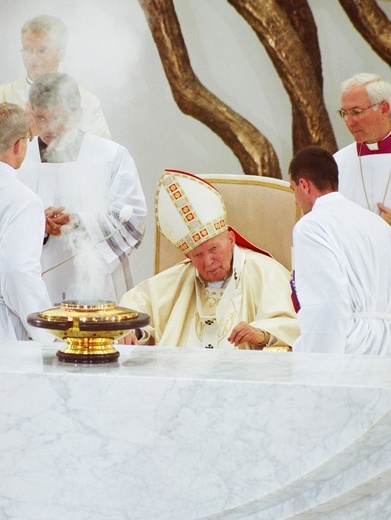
(243, 332)
(129, 339)
(386, 212)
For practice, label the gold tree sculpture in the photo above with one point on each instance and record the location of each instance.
(253, 150)
(373, 25)
(287, 30)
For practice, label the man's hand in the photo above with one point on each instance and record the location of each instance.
(243, 332)
(55, 219)
(129, 339)
(386, 212)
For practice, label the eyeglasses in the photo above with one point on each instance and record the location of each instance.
(38, 51)
(355, 113)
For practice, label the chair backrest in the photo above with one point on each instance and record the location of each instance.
(262, 209)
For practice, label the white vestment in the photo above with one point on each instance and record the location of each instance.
(22, 290)
(258, 293)
(95, 188)
(376, 170)
(93, 121)
(343, 278)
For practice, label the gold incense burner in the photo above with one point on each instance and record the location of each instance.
(89, 328)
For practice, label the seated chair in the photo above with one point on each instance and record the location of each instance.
(262, 209)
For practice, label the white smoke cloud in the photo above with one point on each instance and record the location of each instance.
(88, 282)
(89, 274)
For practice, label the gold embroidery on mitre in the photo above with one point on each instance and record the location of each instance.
(184, 247)
(199, 231)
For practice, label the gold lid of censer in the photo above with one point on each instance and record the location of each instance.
(89, 328)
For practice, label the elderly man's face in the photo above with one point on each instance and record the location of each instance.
(213, 258)
(54, 122)
(40, 55)
(372, 124)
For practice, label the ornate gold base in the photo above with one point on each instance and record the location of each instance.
(277, 349)
(89, 328)
(88, 350)
(87, 359)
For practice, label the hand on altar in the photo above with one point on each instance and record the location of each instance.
(244, 332)
(386, 212)
(55, 219)
(129, 339)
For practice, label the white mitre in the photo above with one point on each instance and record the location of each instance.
(188, 210)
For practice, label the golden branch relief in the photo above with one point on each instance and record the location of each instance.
(287, 30)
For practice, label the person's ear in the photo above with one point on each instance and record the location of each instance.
(17, 147)
(385, 108)
(304, 183)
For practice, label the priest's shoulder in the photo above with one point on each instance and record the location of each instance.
(22, 194)
(101, 144)
(346, 152)
(253, 258)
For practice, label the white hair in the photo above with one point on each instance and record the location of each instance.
(378, 89)
(52, 27)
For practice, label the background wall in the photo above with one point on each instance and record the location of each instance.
(111, 53)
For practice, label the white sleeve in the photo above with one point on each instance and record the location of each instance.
(93, 120)
(23, 290)
(125, 189)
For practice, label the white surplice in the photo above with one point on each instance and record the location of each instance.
(376, 171)
(95, 188)
(22, 290)
(342, 259)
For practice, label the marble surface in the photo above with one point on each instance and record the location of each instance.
(183, 434)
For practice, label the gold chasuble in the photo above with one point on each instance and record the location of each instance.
(186, 313)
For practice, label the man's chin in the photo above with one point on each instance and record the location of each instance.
(358, 136)
(214, 277)
(35, 73)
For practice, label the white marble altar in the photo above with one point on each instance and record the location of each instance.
(182, 434)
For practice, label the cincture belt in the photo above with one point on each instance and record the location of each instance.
(372, 315)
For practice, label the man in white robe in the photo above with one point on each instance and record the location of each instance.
(22, 224)
(342, 264)
(44, 41)
(86, 182)
(365, 166)
(227, 293)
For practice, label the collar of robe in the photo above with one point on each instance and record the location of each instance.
(383, 146)
(68, 153)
